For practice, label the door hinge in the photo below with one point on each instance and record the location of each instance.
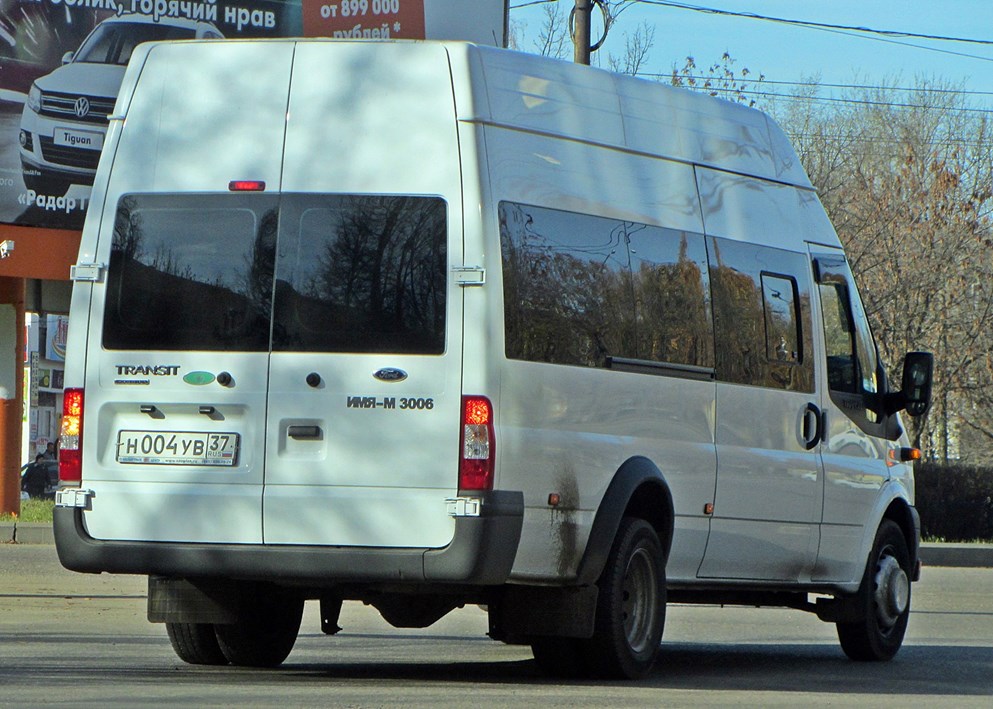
(463, 506)
(73, 497)
(88, 272)
(470, 276)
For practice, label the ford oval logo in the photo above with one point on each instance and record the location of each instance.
(390, 374)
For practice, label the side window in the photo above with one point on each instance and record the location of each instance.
(852, 362)
(672, 296)
(597, 292)
(839, 338)
(782, 319)
(761, 315)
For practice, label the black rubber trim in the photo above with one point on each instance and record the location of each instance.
(634, 473)
(914, 544)
(482, 552)
(665, 369)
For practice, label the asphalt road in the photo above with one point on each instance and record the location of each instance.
(72, 638)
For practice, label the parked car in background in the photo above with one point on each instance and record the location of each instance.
(65, 117)
(40, 479)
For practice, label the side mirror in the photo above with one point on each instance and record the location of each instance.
(918, 371)
(67, 57)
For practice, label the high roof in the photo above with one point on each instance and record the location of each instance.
(544, 95)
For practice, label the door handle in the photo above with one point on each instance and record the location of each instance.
(305, 433)
(813, 426)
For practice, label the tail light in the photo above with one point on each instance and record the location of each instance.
(71, 437)
(478, 444)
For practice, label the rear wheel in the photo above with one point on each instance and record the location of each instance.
(883, 599)
(266, 629)
(196, 643)
(630, 614)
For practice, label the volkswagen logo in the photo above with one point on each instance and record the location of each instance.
(82, 107)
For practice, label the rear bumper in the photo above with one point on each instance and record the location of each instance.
(481, 553)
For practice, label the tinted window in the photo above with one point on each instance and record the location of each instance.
(853, 366)
(761, 316)
(361, 274)
(838, 338)
(672, 296)
(580, 289)
(782, 319)
(191, 272)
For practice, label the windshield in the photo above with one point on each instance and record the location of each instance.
(113, 42)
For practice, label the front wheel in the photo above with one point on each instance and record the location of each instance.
(883, 599)
(630, 614)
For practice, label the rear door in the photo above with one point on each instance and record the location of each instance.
(178, 368)
(365, 375)
(177, 351)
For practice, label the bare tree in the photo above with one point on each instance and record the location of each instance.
(906, 177)
(637, 47)
(721, 79)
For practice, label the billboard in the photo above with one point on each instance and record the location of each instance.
(62, 63)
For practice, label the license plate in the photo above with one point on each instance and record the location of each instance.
(70, 138)
(177, 448)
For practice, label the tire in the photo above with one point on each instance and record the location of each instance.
(266, 630)
(196, 643)
(883, 599)
(630, 614)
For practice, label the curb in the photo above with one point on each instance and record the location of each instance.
(932, 554)
(26, 533)
(957, 555)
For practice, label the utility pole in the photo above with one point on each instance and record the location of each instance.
(11, 391)
(581, 37)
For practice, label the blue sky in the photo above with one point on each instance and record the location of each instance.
(788, 53)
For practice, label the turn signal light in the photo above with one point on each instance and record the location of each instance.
(71, 437)
(904, 455)
(478, 444)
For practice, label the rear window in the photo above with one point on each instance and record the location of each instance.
(361, 274)
(342, 273)
(191, 272)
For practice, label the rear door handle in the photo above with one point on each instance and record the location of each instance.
(305, 433)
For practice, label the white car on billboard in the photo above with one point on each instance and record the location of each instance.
(65, 116)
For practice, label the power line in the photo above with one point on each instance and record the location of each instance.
(819, 84)
(830, 99)
(846, 30)
(811, 23)
(860, 102)
(533, 2)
